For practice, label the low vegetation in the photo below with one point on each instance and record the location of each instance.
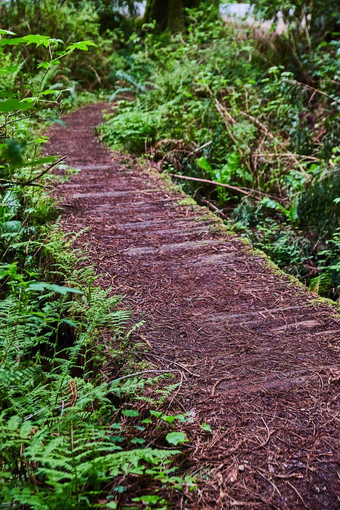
(211, 104)
(82, 424)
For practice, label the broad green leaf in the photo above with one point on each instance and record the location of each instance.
(176, 438)
(43, 65)
(69, 323)
(7, 94)
(41, 286)
(272, 204)
(40, 161)
(14, 105)
(6, 32)
(203, 163)
(38, 40)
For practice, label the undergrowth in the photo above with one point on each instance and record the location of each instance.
(73, 434)
(211, 103)
(82, 424)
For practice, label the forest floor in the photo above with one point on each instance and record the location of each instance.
(258, 353)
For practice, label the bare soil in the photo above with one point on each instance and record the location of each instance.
(259, 354)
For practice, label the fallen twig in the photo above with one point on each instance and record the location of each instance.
(315, 91)
(214, 208)
(228, 186)
(217, 383)
(172, 362)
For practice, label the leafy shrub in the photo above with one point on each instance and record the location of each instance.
(133, 129)
(215, 107)
(60, 20)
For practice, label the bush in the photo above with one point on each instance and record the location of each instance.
(216, 108)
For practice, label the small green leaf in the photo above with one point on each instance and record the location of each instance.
(138, 427)
(157, 414)
(43, 65)
(146, 421)
(120, 489)
(152, 499)
(137, 440)
(130, 412)
(176, 438)
(168, 419)
(203, 163)
(206, 427)
(49, 91)
(81, 45)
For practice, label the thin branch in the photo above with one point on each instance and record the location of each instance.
(215, 183)
(315, 91)
(146, 372)
(32, 182)
(46, 170)
(19, 183)
(215, 209)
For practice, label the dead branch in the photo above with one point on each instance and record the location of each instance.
(215, 183)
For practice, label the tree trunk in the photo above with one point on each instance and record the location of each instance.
(157, 10)
(168, 14)
(175, 21)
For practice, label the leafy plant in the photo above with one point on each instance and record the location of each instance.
(67, 437)
(215, 108)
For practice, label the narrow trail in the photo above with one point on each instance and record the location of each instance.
(263, 356)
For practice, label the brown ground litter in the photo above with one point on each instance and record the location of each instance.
(260, 356)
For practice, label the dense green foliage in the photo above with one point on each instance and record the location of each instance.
(211, 104)
(71, 437)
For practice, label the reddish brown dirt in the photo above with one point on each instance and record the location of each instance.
(263, 356)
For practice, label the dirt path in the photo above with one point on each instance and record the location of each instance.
(263, 356)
